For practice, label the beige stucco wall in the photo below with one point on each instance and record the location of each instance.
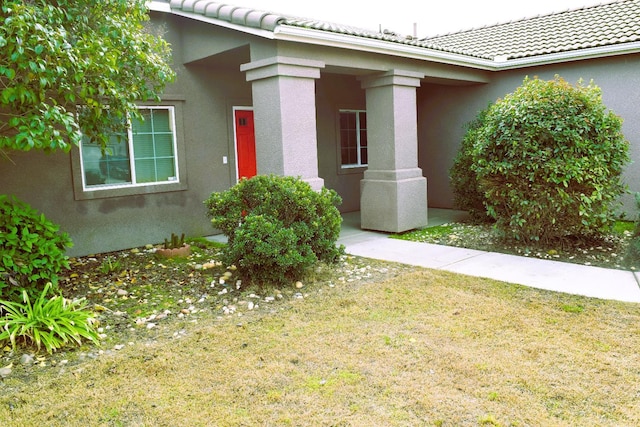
(444, 110)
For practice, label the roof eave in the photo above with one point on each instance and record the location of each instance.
(158, 6)
(574, 55)
(283, 32)
(385, 47)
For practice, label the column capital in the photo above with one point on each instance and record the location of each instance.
(278, 66)
(391, 78)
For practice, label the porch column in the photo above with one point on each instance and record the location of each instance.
(284, 108)
(393, 193)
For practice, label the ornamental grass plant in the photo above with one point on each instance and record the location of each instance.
(50, 321)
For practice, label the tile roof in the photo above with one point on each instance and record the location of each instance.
(608, 24)
(589, 27)
(234, 14)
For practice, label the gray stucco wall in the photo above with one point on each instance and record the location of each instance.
(333, 93)
(205, 91)
(204, 128)
(444, 110)
(211, 84)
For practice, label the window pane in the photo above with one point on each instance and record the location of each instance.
(349, 156)
(347, 120)
(151, 149)
(143, 146)
(363, 137)
(161, 121)
(145, 170)
(350, 140)
(154, 150)
(112, 167)
(165, 170)
(353, 137)
(138, 126)
(164, 145)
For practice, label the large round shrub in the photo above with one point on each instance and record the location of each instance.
(32, 250)
(277, 226)
(548, 158)
(467, 195)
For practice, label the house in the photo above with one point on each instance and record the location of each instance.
(374, 116)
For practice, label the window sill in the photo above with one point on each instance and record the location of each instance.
(105, 193)
(348, 170)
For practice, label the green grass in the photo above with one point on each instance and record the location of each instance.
(421, 348)
(620, 227)
(427, 232)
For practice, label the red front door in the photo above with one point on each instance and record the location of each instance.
(245, 143)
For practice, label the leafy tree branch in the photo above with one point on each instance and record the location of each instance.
(72, 67)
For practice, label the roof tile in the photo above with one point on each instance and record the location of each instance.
(606, 24)
(594, 26)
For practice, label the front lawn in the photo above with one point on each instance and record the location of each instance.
(359, 344)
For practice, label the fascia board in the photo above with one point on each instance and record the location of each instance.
(576, 55)
(158, 6)
(324, 38)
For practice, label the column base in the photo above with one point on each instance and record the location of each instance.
(315, 183)
(393, 205)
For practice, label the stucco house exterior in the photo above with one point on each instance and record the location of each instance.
(378, 117)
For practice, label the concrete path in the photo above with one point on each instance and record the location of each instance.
(550, 275)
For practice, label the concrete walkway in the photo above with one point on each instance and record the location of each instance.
(550, 275)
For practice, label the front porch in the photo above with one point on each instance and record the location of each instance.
(352, 232)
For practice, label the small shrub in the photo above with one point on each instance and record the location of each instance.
(50, 322)
(276, 227)
(109, 265)
(548, 159)
(32, 250)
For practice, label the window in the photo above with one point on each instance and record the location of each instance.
(353, 138)
(145, 155)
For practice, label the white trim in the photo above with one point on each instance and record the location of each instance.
(158, 6)
(358, 146)
(574, 55)
(385, 47)
(222, 23)
(133, 183)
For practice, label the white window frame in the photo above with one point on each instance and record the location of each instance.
(129, 141)
(82, 192)
(359, 147)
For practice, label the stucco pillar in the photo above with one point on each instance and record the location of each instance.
(393, 192)
(284, 108)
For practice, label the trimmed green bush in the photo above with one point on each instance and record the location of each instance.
(32, 249)
(277, 227)
(467, 195)
(548, 159)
